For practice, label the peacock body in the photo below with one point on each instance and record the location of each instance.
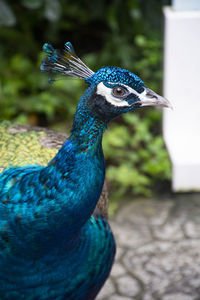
(54, 244)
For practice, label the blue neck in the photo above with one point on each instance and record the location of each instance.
(77, 171)
(88, 128)
(65, 192)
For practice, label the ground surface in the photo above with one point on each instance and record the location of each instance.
(158, 256)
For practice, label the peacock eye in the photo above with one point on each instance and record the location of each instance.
(119, 91)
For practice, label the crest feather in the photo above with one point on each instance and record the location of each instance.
(64, 62)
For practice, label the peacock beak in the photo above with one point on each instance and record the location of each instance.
(150, 98)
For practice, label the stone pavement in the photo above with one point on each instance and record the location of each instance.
(158, 250)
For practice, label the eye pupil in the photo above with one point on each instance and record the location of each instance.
(119, 91)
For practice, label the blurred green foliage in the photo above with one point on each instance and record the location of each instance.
(137, 157)
(126, 33)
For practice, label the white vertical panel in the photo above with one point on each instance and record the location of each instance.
(186, 5)
(182, 88)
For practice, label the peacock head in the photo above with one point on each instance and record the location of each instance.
(113, 90)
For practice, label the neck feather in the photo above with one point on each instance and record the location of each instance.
(77, 171)
(88, 128)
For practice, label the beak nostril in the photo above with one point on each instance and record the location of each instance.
(151, 96)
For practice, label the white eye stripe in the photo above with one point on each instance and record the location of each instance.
(107, 93)
(131, 90)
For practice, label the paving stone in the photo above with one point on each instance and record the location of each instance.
(147, 211)
(178, 296)
(117, 297)
(195, 282)
(107, 290)
(187, 208)
(148, 296)
(128, 286)
(131, 237)
(119, 252)
(170, 231)
(135, 261)
(192, 230)
(165, 268)
(118, 270)
(166, 263)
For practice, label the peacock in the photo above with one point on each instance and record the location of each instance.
(55, 243)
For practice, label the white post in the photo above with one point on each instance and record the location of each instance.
(181, 126)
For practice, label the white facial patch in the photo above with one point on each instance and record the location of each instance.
(107, 93)
(146, 98)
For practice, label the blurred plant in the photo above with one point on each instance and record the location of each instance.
(136, 157)
(126, 33)
(27, 97)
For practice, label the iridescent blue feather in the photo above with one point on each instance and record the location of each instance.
(54, 244)
(64, 62)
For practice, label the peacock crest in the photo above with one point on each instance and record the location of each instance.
(65, 62)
